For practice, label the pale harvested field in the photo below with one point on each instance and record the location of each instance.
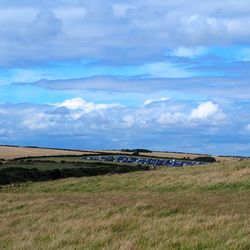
(157, 154)
(205, 207)
(8, 153)
(182, 155)
(169, 155)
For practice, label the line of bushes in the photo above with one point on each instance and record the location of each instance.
(19, 175)
(208, 159)
(139, 150)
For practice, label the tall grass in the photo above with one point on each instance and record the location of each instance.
(203, 207)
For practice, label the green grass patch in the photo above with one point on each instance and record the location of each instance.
(232, 186)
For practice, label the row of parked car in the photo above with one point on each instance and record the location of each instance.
(143, 160)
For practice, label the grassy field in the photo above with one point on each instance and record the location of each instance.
(21, 171)
(9, 153)
(45, 168)
(201, 207)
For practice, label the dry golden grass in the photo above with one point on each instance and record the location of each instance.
(124, 221)
(204, 207)
(9, 153)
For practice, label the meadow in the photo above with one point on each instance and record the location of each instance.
(30, 169)
(199, 207)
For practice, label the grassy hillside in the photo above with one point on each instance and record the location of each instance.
(201, 207)
(45, 168)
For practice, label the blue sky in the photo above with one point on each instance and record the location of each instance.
(164, 75)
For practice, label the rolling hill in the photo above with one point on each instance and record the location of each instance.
(194, 207)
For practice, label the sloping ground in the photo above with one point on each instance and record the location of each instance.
(8, 153)
(205, 207)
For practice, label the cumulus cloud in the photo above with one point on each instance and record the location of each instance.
(77, 115)
(207, 111)
(135, 31)
(159, 125)
(39, 121)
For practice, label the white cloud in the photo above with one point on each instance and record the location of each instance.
(148, 126)
(38, 121)
(149, 101)
(83, 29)
(74, 103)
(129, 121)
(79, 103)
(172, 119)
(207, 110)
(79, 115)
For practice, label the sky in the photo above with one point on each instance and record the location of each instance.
(164, 75)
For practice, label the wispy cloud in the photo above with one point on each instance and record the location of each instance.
(223, 87)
